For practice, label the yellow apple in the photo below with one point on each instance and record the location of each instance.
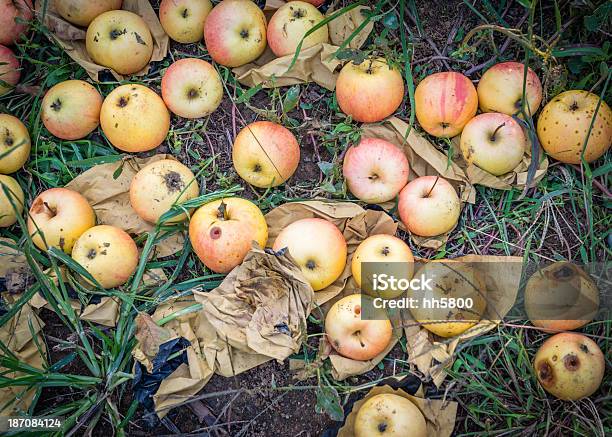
(8, 214)
(290, 23)
(183, 20)
(14, 144)
(389, 415)
(82, 12)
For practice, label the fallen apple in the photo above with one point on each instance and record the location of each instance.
(10, 210)
(316, 3)
(370, 91)
(318, 247)
(289, 25)
(71, 109)
(120, 40)
(429, 206)
(134, 118)
(569, 366)
(494, 142)
(354, 337)
(61, 215)
(108, 254)
(444, 103)
(14, 15)
(183, 20)
(375, 170)
(265, 154)
(9, 70)
(14, 144)
(389, 415)
(222, 232)
(565, 121)
(235, 32)
(82, 12)
(158, 186)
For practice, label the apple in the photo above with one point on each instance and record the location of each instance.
(71, 109)
(134, 118)
(158, 186)
(82, 12)
(108, 254)
(375, 170)
(235, 32)
(353, 337)
(444, 103)
(8, 215)
(429, 206)
(265, 154)
(183, 20)
(500, 89)
(222, 232)
(62, 215)
(383, 249)
(9, 70)
(13, 13)
(370, 91)
(316, 3)
(564, 123)
(561, 297)
(290, 23)
(389, 415)
(191, 88)
(14, 144)
(569, 366)
(318, 248)
(120, 40)
(493, 141)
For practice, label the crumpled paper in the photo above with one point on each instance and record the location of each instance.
(72, 38)
(439, 414)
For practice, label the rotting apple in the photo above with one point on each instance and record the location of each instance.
(493, 141)
(265, 154)
(375, 170)
(158, 186)
(222, 232)
(444, 103)
(429, 206)
(108, 254)
(14, 15)
(352, 336)
(62, 215)
(14, 144)
(120, 40)
(8, 212)
(289, 25)
(389, 415)
(82, 12)
(9, 70)
(71, 109)
(569, 366)
(565, 121)
(370, 91)
(183, 20)
(134, 118)
(235, 32)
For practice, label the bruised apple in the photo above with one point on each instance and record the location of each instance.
(14, 144)
(14, 15)
(108, 254)
(82, 12)
(9, 70)
(158, 186)
(183, 20)
(61, 215)
(318, 247)
(9, 210)
(569, 366)
(353, 337)
(222, 232)
(389, 415)
(289, 25)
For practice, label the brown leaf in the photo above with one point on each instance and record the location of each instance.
(150, 336)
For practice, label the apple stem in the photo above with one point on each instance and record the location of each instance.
(222, 211)
(51, 210)
(496, 130)
(433, 186)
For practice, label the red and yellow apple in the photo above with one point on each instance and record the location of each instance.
(375, 170)
(158, 186)
(290, 23)
(493, 141)
(191, 88)
(120, 40)
(564, 123)
(500, 89)
(134, 118)
(14, 144)
(569, 366)
(370, 91)
(389, 415)
(316, 3)
(108, 254)
(265, 154)
(222, 232)
(82, 12)
(71, 109)
(8, 212)
(61, 215)
(429, 206)
(9, 70)
(353, 337)
(444, 103)
(183, 20)
(235, 32)
(13, 17)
